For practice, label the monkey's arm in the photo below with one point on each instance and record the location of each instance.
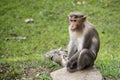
(95, 46)
(95, 43)
(72, 49)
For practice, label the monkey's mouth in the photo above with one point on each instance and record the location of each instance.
(73, 28)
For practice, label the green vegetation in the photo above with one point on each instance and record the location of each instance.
(49, 31)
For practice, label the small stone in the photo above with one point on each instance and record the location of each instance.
(84, 2)
(20, 37)
(16, 38)
(87, 74)
(79, 3)
(37, 75)
(29, 20)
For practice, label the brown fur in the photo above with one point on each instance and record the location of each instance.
(82, 51)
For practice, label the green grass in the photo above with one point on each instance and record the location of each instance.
(50, 31)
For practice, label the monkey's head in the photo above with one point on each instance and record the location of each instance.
(76, 20)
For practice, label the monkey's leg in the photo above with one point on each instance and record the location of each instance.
(86, 59)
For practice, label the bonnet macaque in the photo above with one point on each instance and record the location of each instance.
(84, 43)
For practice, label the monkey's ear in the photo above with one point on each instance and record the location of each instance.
(68, 16)
(84, 18)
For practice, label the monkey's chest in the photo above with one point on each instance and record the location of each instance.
(80, 43)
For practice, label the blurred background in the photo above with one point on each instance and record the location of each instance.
(30, 28)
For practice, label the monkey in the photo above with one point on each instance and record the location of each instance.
(84, 43)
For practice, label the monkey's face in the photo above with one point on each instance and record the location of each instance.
(75, 21)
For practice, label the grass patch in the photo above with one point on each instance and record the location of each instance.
(49, 31)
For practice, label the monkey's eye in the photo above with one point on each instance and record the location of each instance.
(73, 20)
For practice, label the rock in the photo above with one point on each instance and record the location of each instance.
(87, 74)
(58, 55)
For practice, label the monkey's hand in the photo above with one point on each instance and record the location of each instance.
(72, 65)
